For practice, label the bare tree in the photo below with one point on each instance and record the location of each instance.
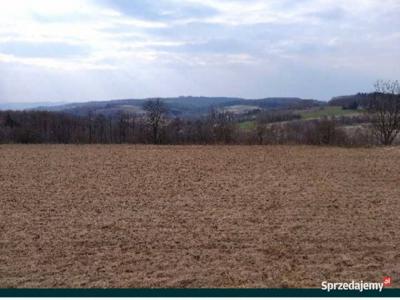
(260, 129)
(123, 127)
(383, 108)
(223, 125)
(155, 113)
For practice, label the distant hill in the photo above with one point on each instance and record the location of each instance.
(25, 105)
(350, 101)
(186, 107)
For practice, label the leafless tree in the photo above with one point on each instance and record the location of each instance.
(383, 108)
(260, 129)
(223, 125)
(260, 132)
(155, 114)
(123, 127)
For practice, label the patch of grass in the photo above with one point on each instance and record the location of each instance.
(309, 114)
(247, 125)
(327, 111)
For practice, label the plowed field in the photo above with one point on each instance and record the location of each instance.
(197, 216)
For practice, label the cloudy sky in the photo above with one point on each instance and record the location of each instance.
(80, 50)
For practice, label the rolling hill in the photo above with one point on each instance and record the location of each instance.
(185, 107)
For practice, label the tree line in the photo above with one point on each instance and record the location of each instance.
(381, 126)
(153, 128)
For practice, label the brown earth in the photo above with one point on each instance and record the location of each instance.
(197, 216)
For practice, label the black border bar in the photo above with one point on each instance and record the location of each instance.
(156, 292)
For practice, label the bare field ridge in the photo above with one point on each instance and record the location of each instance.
(197, 216)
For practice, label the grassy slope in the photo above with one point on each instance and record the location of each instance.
(247, 125)
(327, 111)
(309, 114)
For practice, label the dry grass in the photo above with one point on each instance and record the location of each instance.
(193, 216)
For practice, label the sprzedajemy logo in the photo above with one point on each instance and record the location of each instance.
(356, 285)
(387, 281)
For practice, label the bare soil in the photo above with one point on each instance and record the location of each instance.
(197, 216)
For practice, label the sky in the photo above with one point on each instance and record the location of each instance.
(80, 50)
